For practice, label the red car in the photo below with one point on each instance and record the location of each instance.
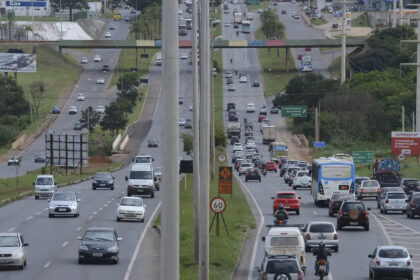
(308, 49)
(261, 118)
(288, 199)
(271, 166)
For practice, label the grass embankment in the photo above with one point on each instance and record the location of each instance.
(318, 21)
(335, 68)
(253, 8)
(224, 250)
(57, 71)
(11, 189)
(273, 64)
(360, 21)
(52, 18)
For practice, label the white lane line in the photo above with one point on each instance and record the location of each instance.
(30, 217)
(315, 213)
(105, 205)
(65, 243)
(12, 229)
(96, 212)
(109, 201)
(45, 209)
(90, 217)
(113, 198)
(116, 204)
(39, 212)
(383, 229)
(47, 264)
(100, 209)
(136, 251)
(78, 229)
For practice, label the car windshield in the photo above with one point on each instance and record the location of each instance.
(9, 241)
(144, 159)
(286, 195)
(411, 182)
(392, 253)
(145, 175)
(246, 165)
(44, 181)
(396, 196)
(99, 235)
(370, 184)
(350, 206)
(64, 197)
(301, 174)
(103, 176)
(131, 202)
(282, 266)
(341, 197)
(321, 228)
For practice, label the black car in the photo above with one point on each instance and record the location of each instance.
(353, 213)
(255, 83)
(40, 158)
(103, 180)
(56, 110)
(230, 106)
(413, 205)
(252, 174)
(152, 143)
(274, 110)
(99, 244)
(233, 118)
(335, 202)
(410, 185)
(234, 139)
(180, 100)
(229, 81)
(188, 124)
(105, 68)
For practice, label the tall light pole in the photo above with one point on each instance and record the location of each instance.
(32, 11)
(343, 45)
(169, 264)
(61, 23)
(203, 259)
(394, 13)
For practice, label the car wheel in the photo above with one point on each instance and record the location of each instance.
(259, 180)
(385, 211)
(339, 227)
(367, 227)
(412, 215)
(336, 249)
(36, 197)
(370, 274)
(380, 210)
(408, 215)
(118, 219)
(307, 249)
(112, 188)
(374, 277)
(330, 214)
(93, 188)
(114, 261)
(81, 261)
(76, 215)
(275, 171)
(142, 221)
(21, 267)
(294, 187)
(152, 195)
(297, 212)
(246, 180)
(128, 194)
(50, 215)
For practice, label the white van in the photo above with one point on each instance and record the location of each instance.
(45, 186)
(158, 59)
(141, 180)
(249, 16)
(143, 159)
(285, 241)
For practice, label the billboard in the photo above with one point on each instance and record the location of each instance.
(26, 4)
(17, 62)
(405, 143)
(68, 150)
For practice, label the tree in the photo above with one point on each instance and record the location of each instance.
(271, 26)
(90, 119)
(136, 28)
(131, 95)
(187, 141)
(114, 119)
(28, 29)
(37, 91)
(128, 80)
(10, 21)
(71, 4)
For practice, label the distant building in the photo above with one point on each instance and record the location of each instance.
(26, 8)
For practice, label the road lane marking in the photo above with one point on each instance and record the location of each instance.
(109, 201)
(12, 229)
(113, 198)
(96, 212)
(90, 217)
(39, 212)
(45, 209)
(78, 229)
(105, 205)
(136, 251)
(100, 209)
(30, 217)
(65, 243)
(47, 264)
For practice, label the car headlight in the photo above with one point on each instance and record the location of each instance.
(83, 248)
(74, 205)
(113, 248)
(17, 254)
(111, 182)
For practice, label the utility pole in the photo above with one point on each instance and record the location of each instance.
(196, 126)
(212, 140)
(394, 13)
(203, 259)
(169, 260)
(316, 124)
(413, 117)
(401, 12)
(343, 45)
(61, 23)
(402, 118)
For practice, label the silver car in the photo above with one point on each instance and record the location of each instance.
(13, 251)
(368, 188)
(64, 204)
(315, 232)
(390, 261)
(393, 201)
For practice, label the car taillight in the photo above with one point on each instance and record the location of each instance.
(378, 190)
(341, 213)
(308, 236)
(408, 262)
(296, 177)
(300, 276)
(367, 214)
(352, 188)
(335, 202)
(362, 190)
(264, 275)
(413, 205)
(321, 190)
(335, 236)
(387, 201)
(404, 186)
(378, 262)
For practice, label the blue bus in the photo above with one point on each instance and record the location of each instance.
(330, 176)
(246, 26)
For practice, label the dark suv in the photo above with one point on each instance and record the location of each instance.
(410, 185)
(335, 202)
(413, 205)
(353, 213)
(280, 264)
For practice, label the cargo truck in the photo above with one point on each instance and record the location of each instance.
(234, 129)
(269, 134)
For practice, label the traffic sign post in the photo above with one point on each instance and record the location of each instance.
(319, 144)
(225, 180)
(218, 206)
(221, 158)
(294, 111)
(363, 157)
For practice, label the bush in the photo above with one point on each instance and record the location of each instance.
(8, 134)
(219, 136)
(128, 80)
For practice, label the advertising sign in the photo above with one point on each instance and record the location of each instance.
(405, 143)
(363, 157)
(26, 4)
(69, 150)
(17, 62)
(347, 17)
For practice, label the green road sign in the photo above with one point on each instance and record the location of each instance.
(252, 2)
(363, 157)
(294, 111)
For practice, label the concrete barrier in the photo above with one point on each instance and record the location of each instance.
(306, 18)
(124, 142)
(116, 143)
(17, 145)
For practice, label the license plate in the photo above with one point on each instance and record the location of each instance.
(102, 185)
(394, 264)
(97, 254)
(353, 223)
(62, 210)
(286, 207)
(130, 215)
(322, 237)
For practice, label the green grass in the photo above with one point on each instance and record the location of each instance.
(254, 8)
(328, 49)
(57, 71)
(10, 190)
(52, 18)
(360, 21)
(318, 21)
(335, 68)
(274, 67)
(410, 168)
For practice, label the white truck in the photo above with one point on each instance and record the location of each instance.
(45, 186)
(269, 134)
(234, 129)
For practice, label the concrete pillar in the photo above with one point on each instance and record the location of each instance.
(287, 59)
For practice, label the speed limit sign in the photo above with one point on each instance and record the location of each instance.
(218, 205)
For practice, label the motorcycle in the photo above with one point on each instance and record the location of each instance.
(322, 269)
(264, 172)
(280, 222)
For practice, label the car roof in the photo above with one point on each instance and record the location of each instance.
(9, 234)
(132, 197)
(100, 229)
(286, 192)
(45, 176)
(69, 192)
(410, 179)
(141, 167)
(320, 222)
(381, 247)
(277, 231)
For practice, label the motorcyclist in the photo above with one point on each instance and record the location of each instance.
(237, 33)
(231, 60)
(280, 215)
(321, 253)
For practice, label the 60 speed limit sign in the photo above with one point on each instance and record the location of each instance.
(218, 205)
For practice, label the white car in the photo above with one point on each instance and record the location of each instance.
(13, 250)
(107, 34)
(72, 110)
(227, 24)
(251, 144)
(231, 87)
(244, 167)
(131, 208)
(97, 58)
(182, 121)
(100, 109)
(80, 97)
(191, 108)
(243, 79)
(250, 108)
(302, 180)
(84, 60)
(237, 147)
(179, 12)
(100, 81)
(315, 232)
(64, 204)
(184, 56)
